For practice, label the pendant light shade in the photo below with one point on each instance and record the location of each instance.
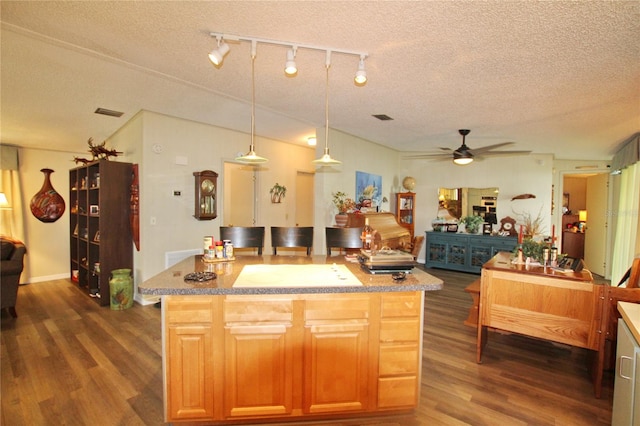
(326, 159)
(251, 157)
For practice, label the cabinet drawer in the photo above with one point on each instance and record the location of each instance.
(336, 308)
(396, 360)
(395, 392)
(238, 309)
(189, 309)
(401, 330)
(401, 304)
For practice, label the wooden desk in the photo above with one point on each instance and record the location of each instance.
(539, 302)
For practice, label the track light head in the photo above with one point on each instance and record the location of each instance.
(217, 55)
(290, 68)
(361, 75)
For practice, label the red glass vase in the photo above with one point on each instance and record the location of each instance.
(47, 205)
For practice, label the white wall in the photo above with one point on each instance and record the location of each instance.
(203, 147)
(531, 174)
(181, 148)
(356, 155)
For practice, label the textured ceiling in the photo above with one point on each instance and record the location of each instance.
(555, 77)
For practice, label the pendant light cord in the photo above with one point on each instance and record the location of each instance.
(326, 111)
(253, 99)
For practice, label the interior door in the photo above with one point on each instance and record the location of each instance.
(595, 237)
(239, 195)
(304, 199)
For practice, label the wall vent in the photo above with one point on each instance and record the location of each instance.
(382, 117)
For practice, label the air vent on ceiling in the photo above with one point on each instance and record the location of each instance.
(108, 112)
(382, 117)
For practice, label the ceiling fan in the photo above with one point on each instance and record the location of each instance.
(465, 155)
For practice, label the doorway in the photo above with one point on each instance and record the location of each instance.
(239, 197)
(588, 194)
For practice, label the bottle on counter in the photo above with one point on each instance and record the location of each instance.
(219, 250)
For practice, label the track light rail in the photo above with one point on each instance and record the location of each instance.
(233, 37)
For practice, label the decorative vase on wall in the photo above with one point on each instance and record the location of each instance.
(341, 220)
(47, 205)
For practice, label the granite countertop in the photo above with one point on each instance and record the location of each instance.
(171, 281)
(631, 314)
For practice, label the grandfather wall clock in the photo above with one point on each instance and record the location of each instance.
(206, 197)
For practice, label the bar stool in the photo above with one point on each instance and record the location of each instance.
(244, 236)
(298, 236)
(345, 238)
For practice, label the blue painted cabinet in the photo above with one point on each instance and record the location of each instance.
(463, 252)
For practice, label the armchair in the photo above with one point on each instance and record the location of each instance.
(11, 265)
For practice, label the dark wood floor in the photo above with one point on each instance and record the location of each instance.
(66, 361)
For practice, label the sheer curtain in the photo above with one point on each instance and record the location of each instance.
(625, 243)
(11, 223)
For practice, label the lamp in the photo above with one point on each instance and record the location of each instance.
(216, 56)
(582, 215)
(4, 203)
(326, 159)
(290, 67)
(361, 75)
(311, 140)
(251, 157)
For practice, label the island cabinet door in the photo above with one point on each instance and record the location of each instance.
(189, 364)
(400, 350)
(258, 356)
(336, 354)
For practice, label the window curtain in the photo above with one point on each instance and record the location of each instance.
(11, 220)
(626, 244)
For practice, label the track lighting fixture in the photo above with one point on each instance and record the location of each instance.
(251, 157)
(217, 55)
(361, 74)
(326, 159)
(290, 67)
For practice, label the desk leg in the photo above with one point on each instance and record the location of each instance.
(481, 341)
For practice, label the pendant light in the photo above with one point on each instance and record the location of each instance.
(326, 159)
(251, 157)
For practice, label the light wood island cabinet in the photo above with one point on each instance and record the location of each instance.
(230, 357)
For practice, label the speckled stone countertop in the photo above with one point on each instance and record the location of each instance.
(631, 314)
(171, 281)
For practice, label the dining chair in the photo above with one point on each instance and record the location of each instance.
(344, 238)
(295, 236)
(244, 236)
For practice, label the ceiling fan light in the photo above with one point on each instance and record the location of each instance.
(290, 67)
(217, 55)
(462, 161)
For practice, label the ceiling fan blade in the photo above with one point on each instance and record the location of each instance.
(426, 156)
(481, 150)
(504, 153)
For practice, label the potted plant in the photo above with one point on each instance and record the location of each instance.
(277, 193)
(472, 223)
(532, 249)
(344, 205)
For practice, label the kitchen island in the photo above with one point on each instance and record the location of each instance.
(276, 338)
